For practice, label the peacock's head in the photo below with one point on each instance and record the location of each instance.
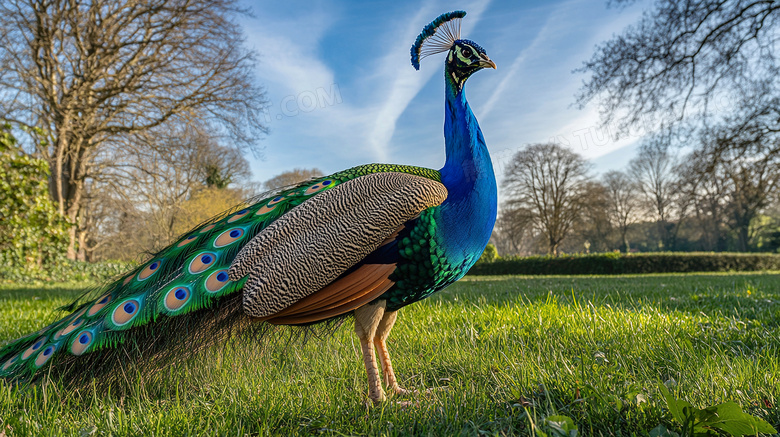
(465, 57)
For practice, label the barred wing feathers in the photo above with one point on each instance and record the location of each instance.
(315, 243)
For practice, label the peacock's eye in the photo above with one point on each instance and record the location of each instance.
(466, 52)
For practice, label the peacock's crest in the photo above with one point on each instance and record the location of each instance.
(437, 37)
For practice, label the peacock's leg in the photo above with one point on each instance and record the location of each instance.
(380, 341)
(367, 319)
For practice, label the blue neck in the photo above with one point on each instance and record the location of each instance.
(469, 213)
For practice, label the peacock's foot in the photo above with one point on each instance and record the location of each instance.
(371, 403)
(406, 392)
(375, 400)
(407, 404)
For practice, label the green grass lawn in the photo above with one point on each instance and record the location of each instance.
(509, 350)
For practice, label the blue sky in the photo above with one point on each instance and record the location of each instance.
(342, 91)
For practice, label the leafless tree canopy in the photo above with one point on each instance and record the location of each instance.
(547, 183)
(139, 202)
(291, 177)
(622, 203)
(720, 196)
(592, 229)
(707, 71)
(702, 75)
(98, 73)
(739, 181)
(654, 172)
(680, 56)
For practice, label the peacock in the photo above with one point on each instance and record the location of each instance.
(363, 242)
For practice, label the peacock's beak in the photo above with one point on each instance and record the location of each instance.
(485, 62)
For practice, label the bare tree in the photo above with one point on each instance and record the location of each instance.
(592, 229)
(749, 168)
(705, 185)
(291, 177)
(547, 182)
(680, 56)
(653, 171)
(92, 73)
(514, 232)
(146, 184)
(623, 203)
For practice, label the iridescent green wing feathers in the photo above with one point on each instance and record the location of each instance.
(183, 279)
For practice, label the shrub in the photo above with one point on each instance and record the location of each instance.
(32, 232)
(616, 263)
(67, 271)
(489, 255)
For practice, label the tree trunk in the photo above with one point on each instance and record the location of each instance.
(60, 181)
(743, 237)
(83, 253)
(623, 236)
(67, 177)
(672, 230)
(69, 203)
(72, 254)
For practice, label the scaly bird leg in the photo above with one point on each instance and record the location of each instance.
(367, 319)
(380, 341)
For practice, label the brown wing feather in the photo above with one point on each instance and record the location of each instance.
(360, 280)
(346, 285)
(341, 296)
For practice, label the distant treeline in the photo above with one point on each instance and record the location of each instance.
(617, 263)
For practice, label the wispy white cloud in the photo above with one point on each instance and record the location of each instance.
(287, 57)
(379, 116)
(291, 65)
(500, 90)
(293, 72)
(406, 82)
(532, 100)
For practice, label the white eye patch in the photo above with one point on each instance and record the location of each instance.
(464, 59)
